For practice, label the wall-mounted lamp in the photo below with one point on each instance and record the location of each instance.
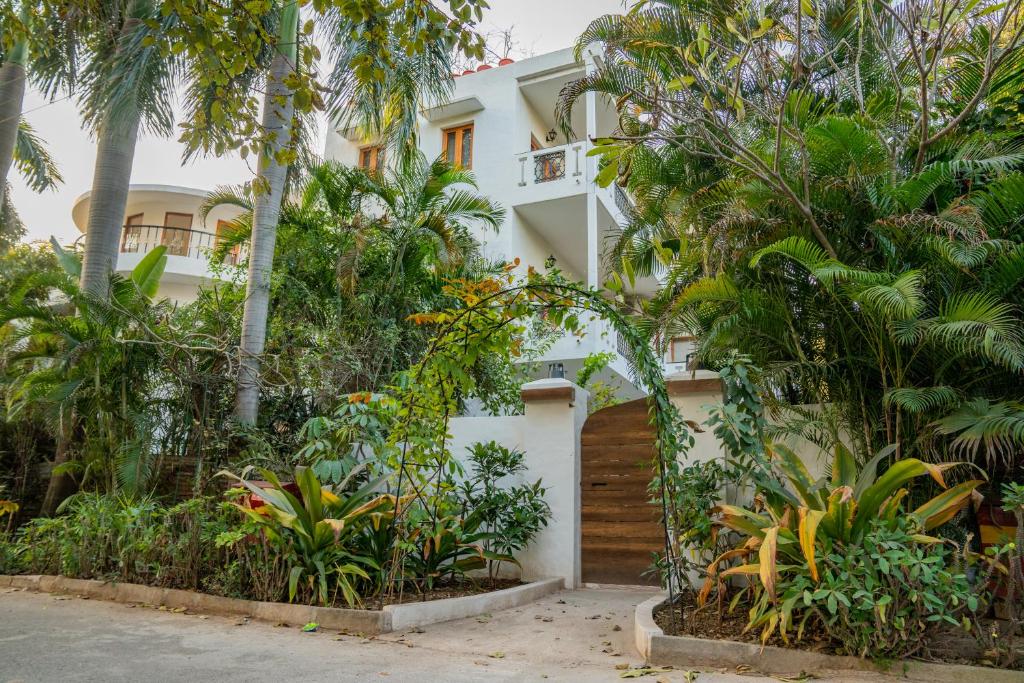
(556, 371)
(550, 137)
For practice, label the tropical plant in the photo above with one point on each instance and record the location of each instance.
(383, 60)
(809, 520)
(91, 370)
(358, 254)
(512, 514)
(127, 538)
(880, 597)
(848, 217)
(317, 531)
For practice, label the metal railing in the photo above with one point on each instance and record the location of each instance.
(622, 200)
(185, 242)
(551, 164)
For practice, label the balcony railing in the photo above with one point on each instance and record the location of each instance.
(622, 200)
(547, 165)
(136, 239)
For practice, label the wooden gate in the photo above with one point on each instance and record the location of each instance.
(620, 528)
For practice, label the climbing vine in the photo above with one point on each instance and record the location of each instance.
(491, 319)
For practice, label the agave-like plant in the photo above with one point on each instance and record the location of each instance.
(321, 528)
(798, 520)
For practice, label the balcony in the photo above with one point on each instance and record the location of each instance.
(551, 173)
(183, 242)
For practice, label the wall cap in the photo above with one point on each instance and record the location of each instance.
(550, 389)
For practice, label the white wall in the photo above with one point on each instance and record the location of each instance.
(549, 434)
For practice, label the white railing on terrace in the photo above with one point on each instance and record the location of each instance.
(198, 244)
(551, 164)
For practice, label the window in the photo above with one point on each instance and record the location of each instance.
(679, 349)
(371, 158)
(458, 145)
(177, 233)
(224, 229)
(132, 235)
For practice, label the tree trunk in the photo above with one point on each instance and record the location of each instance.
(12, 98)
(111, 178)
(278, 110)
(61, 484)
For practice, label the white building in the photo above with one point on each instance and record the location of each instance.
(168, 215)
(500, 122)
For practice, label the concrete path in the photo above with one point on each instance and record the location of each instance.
(569, 636)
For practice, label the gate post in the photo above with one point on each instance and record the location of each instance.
(555, 412)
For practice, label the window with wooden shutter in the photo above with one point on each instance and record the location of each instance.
(371, 157)
(458, 145)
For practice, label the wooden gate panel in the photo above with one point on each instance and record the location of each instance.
(620, 527)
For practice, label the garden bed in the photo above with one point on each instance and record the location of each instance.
(392, 617)
(706, 642)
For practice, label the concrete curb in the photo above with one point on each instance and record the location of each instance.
(414, 614)
(391, 618)
(682, 651)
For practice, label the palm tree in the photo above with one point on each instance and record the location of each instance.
(278, 112)
(358, 253)
(12, 95)
(40, 172)
(88, 365)
(856, 236)
(376, 84)
(127, 82)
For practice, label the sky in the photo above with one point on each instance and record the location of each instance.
(539, 26)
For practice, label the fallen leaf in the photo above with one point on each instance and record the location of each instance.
(616, 628)
(497, 655)
(311, 627)
(178, 610)
(644, 671)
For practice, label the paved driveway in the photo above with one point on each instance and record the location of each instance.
(569, 636)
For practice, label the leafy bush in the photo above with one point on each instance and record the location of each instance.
(877, 597)
(126, 538)
(825, 542)
(318, 533)
(510, 516)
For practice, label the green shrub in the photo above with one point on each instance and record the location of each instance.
(127, 539)
(318, 534)
(512, 515)
(819, 549)
(880, 596)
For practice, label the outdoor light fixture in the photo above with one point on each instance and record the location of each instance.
(550, 137)
(556, 371)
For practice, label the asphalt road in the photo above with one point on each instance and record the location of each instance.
(569, 636)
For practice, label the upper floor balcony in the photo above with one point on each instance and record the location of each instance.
(551, 173)
(170, 216)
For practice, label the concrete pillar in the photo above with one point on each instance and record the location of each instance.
(555, 412)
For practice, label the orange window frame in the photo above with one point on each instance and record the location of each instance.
(371, 157)
(457, 136)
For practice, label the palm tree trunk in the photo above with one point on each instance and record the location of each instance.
(12, 98)
(111, 177)
(278, 110)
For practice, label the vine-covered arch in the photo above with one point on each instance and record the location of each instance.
(490, 316)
